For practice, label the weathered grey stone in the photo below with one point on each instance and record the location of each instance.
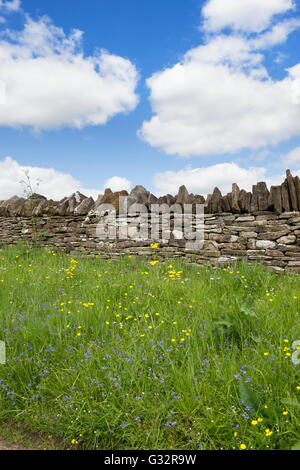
(215, 204)
(285, 197)
(198, 199)
(211, 254)
(270, 235)
(207, 204)
(235, 207)
(153, 200)
(280, 229)
(297, 189)
(274, 253)
(269, 216)
(245, 219)
(85, 206)
(3, 209)
(254, 200)
(234, 252)
(226, 204)
(68, 206)
(183, 196)
(250, 234)
(275, 200)
(287, 240)
(265, 244)
(262, 195)
(113, 199)
(292, 191)
(294, 263)
(33, 204)
(256, 252)
(139, 195)
(245, 201)
(14, 206)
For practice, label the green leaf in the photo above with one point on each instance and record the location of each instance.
(249, 397)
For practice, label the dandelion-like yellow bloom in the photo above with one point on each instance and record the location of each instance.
(153, 263)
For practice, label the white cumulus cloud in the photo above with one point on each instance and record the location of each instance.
(10, 5)
(52, 183)
(243, 15)
(291, 159)
(220, 97)
(50, 83)
(204, 180)
(117, 183)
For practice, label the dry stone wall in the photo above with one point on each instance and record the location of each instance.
(261, 226)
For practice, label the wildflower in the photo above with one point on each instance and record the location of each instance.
(154, 245)
(268, 432)
(254, 422)
(243, 447)
(285, 413)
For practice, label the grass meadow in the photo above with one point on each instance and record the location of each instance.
(137, 354)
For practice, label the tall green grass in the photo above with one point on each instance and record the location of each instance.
(130, 354)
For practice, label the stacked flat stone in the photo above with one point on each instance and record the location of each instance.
(262, 225)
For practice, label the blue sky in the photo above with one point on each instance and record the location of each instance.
(158, 93)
